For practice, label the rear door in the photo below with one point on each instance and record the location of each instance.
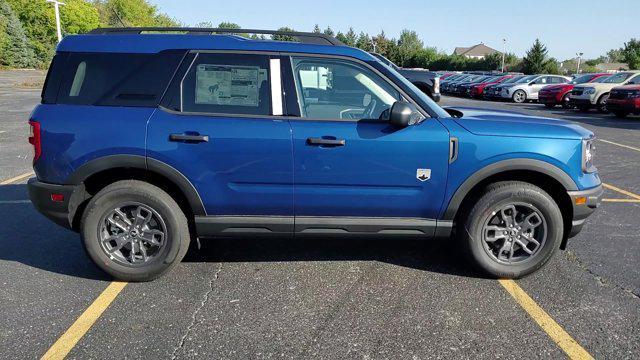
(219, 126)
(349, 161)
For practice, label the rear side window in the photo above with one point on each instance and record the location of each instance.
(116, 79)
(227, 84)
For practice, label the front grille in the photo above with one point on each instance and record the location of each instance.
(618, 95)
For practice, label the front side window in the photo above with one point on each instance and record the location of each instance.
(335, 89)
(227, 84)
(635, 80)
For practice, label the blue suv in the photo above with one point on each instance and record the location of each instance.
(149, 139)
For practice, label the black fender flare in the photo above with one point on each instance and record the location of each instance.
(504, 166)
(143, 163)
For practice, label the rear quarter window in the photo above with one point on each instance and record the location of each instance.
(115, 79)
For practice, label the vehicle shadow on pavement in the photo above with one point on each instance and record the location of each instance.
(28, 238)
(439, 256)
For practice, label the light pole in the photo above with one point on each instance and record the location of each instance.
(579, 57)
(504, 50)
(56, 6)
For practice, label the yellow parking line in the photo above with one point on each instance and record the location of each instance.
(555, 331)
(624, 192)
(70, 338)
(621, 145)
(16, 179)
(622, 200)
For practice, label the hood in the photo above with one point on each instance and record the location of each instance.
(599, 86)
(512, 124)
(627, 87)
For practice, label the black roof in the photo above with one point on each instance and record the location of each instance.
(302, 37)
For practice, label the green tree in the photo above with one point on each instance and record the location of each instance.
(124, 13)
(408, 45)
(615, 55)
(78, 16)
(364, 42)
(14, 45)
(316, 29)
(552, 66)
(535, 60)
(329, 31)
(631, 54)
(279, 37)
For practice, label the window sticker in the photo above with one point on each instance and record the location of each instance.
(229, 85)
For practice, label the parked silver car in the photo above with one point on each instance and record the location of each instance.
(521, 92)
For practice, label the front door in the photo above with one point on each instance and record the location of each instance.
(348, 160)
(218, 129)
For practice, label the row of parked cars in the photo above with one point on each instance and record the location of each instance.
(617, 93)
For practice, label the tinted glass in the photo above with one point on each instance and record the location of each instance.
(227, 84)
(116, 79)
(617, 78)
(635, 80)
(339, 89)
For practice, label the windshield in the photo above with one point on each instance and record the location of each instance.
(601, 79)
(512, 80)
(422, 97)
(617, 78)
(582, 79)
(526, 79)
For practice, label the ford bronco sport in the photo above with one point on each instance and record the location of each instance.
(148, 139)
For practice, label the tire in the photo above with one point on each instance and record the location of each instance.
(519, 96)
(602, 103)
(549, 106)
(566, 103)
(621, 114)
(496, 201)
(162, 237)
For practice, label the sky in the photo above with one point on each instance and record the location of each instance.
(566, 27)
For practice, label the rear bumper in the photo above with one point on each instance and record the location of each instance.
(435, 97)
(60, 212)
(592, 199)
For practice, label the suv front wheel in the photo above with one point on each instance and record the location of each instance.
(519, 96)
(513, 229)
(134, 231)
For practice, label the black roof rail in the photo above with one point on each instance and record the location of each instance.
(303, 37)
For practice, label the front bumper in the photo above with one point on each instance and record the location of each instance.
(550, 98)
(584, 202)
(60, 212)
(581, 101)
(629, 105)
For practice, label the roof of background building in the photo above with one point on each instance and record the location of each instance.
(475, 50)
(612, 66)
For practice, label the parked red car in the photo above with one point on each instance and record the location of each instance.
(477, 90)
(558, 94)
(624, 100)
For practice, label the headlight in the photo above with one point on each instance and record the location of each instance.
(588, 152)
(590, 91)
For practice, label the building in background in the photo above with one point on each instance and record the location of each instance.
(478, 51)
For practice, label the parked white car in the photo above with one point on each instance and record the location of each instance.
(521, 92)
(596, 94)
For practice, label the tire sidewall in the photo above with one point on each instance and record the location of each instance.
(105, 202)
(495, 200)
(524, 97)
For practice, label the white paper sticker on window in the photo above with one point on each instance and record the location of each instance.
(229, 85)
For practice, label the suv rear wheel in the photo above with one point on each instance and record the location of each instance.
(513, 229)
(134, 231)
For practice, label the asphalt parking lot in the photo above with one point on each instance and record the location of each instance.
(319, 298)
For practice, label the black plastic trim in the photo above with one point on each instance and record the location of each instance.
(504, 166)
(140, 162)
(209, 226)
(583, 211)
(63, 212)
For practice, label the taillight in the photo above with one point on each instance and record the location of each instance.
(34, 139)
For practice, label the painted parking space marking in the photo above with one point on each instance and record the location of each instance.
(622, 191)
(79, 328)
(546, 322)
(621, 200)
(621, 145)
(16, 178)
(15, 202)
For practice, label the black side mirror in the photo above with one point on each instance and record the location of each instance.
(401, 113)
